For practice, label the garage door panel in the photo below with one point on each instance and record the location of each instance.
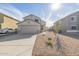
(30, 29)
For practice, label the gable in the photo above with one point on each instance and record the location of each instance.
(4, 15)
(31, 17)
(9, 20)
(28, 22)
(75, 13)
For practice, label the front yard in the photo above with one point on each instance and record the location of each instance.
(69, 46)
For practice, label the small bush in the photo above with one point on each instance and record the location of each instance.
(49, 43)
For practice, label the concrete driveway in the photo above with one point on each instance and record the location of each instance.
(17, 45)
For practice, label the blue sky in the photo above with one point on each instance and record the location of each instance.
(43, 10)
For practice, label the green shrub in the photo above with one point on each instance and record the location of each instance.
(49, 43)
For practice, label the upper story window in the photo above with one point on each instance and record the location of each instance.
(74, 19)
(36, 20)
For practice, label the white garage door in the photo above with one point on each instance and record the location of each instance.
(30, 29)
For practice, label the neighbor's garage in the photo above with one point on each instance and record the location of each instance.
(29, 29)
(30, 25)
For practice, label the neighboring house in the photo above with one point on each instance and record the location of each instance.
(31, 24)
(69, 23)
(8, 22)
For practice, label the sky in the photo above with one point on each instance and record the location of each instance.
(42, 10)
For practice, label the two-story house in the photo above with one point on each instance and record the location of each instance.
(69, 23)
(31, 24)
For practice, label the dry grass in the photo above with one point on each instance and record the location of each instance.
(70, 46)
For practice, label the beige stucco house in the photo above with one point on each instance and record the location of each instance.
(31, 24)
(8, 22)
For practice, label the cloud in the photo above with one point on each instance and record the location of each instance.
(12, 11)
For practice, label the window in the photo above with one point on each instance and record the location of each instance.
(36, 20)
(74, 18)
(73, 27)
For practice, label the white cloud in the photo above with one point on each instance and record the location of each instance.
(12, 11)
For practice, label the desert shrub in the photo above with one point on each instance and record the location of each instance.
(49, 42)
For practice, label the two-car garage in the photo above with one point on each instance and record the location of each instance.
(29, 29)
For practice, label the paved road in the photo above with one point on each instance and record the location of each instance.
(17, 45)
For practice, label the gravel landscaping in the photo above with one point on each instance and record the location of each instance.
(41, 48)
(67, 45)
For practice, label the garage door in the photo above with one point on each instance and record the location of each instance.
(30, 29)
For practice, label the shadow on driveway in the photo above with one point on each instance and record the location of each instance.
(15, 37)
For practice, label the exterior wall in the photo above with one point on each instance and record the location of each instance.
(33, 17)
(66, 23)
(28, 22)
(1, 19)
(29, 26)
(9, 23)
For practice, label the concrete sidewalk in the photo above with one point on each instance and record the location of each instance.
(20, 47)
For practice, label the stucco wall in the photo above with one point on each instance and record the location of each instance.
(28, 26)
(66, 22)
(9, 23)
